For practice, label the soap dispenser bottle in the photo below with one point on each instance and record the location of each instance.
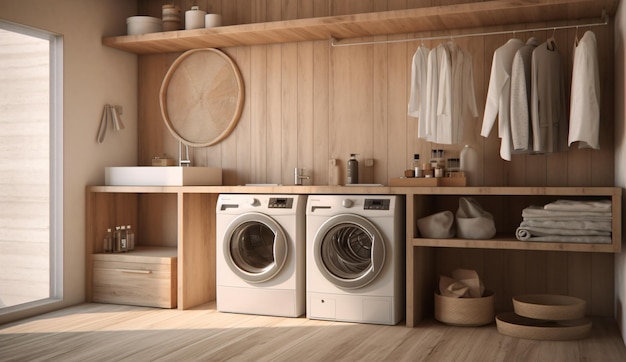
(353, 170)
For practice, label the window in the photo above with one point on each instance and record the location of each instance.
(30, 166)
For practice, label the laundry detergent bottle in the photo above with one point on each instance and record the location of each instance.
(353, 170)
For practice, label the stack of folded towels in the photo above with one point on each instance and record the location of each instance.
(567, 221)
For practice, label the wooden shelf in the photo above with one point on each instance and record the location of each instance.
(511, 243)
(437, 18)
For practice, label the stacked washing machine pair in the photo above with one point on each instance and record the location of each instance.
(335, 257)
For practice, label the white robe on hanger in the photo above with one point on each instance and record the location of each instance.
(520, 97)
(584, 121)
(435, 57)
(456, 97)
(499, 96)
(417, 99)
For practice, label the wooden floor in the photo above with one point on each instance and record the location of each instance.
(101, 332)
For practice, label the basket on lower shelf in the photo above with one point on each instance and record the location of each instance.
(469, 312)
(545, 317)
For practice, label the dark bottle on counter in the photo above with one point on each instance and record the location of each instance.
(353, 170)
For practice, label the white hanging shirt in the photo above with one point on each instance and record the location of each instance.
(417, 99)
(520, 97)
(547, 97)
(499, 96)
(435, 56)
(584, 121)
(456, 96)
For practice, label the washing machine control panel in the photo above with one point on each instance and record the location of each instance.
(376, 204)
(280, 203)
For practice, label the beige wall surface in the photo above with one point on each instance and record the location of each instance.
(94, 75)
(620, 157)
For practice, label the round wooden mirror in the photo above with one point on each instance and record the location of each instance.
(202, 97)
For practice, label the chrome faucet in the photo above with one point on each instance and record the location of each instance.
(183, 155)
(298, 176)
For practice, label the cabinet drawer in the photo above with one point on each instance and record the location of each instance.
(135, 283)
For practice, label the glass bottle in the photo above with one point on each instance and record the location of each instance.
(130, 238)
(108, 241)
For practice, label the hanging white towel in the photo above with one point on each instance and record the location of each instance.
(547, 97)
(417, 99)
(499, 96)
(432, 92)
(584, 121)
(520, 97)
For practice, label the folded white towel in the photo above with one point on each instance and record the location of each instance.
(573, 205)
(569, 239)
(525, 232)
(581, 224)
(541, 213)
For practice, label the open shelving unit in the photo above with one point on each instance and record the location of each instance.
(419, 20)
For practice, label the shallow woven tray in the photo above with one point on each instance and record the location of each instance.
(549, 307)
(515, 325)
(465, 311)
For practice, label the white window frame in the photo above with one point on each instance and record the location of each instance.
(56, 163)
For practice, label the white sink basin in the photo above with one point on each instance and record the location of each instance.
(162, 176)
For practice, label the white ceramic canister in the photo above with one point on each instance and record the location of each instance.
(194, 18)
(143, 24)
(212, 20)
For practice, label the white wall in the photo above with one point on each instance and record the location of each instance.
(93, 76)
(620, 159)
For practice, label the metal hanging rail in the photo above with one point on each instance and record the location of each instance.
(334, 42)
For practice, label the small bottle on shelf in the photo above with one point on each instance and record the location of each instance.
(117, 240)
(416, 165)
(108, 241)
(130, 238)
(123, 238)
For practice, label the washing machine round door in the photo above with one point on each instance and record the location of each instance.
(255, 247)
(349, 251)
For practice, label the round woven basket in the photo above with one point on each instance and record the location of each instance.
(549, 307)
(515, 325)
(465, 311)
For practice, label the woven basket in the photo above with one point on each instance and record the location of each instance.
(549, 307)
(515, 325)
(465, 311)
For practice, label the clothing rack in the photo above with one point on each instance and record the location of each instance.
(334, 42)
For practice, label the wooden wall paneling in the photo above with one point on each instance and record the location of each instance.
(556, 275)
(339, 145)
(274, 10)
(152, 69)
(579, 277)
(380, 112)
(321, 115)
(305, 133)
(536, 272)
(273, 142)
(245, 135)
(602, 284)
(290, 122)
(231, 171)
(258, 104)
(258, 10)
(514, 276)
(602, 161)
(397, 107)
(160, 207)
(230, 13)
(492, 275)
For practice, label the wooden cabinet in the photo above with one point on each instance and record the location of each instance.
(191, 212)
(506, 204)
(146, 276)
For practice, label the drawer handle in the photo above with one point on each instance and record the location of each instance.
(132, 271)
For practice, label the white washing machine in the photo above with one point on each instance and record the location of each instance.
(355, 258)
(260, 259)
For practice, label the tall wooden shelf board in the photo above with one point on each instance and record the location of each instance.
(437, 18)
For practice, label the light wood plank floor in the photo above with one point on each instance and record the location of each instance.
(101, 332)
